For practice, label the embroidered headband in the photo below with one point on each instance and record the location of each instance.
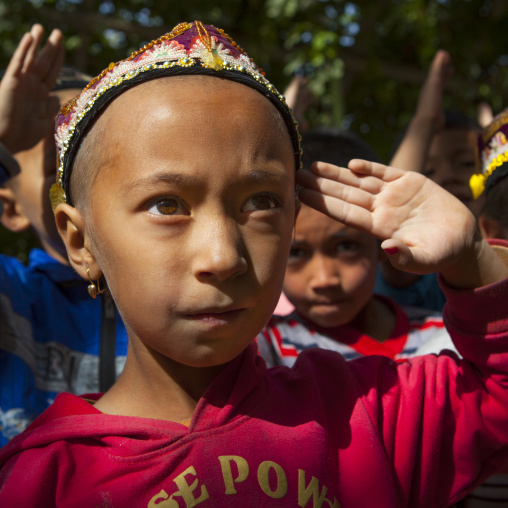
(190, 48)
(492, 155)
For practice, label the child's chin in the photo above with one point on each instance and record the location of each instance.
(329, 319)
(211, 358)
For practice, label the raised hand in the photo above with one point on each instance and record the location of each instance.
(430, 100)
(429, 117)
(484, 114)
(27, 109)
(299, 98)
(424, 228)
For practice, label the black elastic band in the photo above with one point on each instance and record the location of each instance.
(103, 100)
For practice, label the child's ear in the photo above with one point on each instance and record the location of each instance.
(71, 226)
(12, 216)
(490, 228)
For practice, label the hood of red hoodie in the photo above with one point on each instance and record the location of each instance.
(73, 417)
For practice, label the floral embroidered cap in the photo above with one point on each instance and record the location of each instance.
(190, 48)
(492, 155)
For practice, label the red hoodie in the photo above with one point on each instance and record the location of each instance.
(366, 433)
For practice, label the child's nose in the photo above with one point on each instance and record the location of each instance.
(220, 252)
(325, 273)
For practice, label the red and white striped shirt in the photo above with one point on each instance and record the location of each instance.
(285, 337)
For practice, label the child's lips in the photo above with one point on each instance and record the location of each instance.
(328, 302)
(327, 305)
(215, 316)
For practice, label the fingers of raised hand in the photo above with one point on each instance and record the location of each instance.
(335, 190)
(46, 65)
(18, 58)
(441, 64)
(376, 170)
(361, 179)
(341, 210)
(50, 59)
(36, 34)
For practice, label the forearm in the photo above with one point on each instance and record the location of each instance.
(412, 152)
(428, 118)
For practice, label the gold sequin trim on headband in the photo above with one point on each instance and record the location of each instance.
(188, 45)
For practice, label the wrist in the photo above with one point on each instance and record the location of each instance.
(479, 266)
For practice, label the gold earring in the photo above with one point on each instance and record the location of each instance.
(93, 290)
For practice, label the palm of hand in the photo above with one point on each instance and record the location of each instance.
(427, 226)
(26, 109)
(28, 112)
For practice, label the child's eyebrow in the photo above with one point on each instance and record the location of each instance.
(347, 231)
(344, 233)
(180, 179)
(261, 175)
(277, 173)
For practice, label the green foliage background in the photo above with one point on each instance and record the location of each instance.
(365, 60)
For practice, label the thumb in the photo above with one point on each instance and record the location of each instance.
(398, 253)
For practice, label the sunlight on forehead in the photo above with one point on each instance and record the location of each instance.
(198, 107)
(187, 137)
(271, 173)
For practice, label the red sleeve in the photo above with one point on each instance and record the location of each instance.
(444, 421)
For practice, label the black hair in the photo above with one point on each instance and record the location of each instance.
(495, 177)
(496, 206)
(335, 146)
(457, 120)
